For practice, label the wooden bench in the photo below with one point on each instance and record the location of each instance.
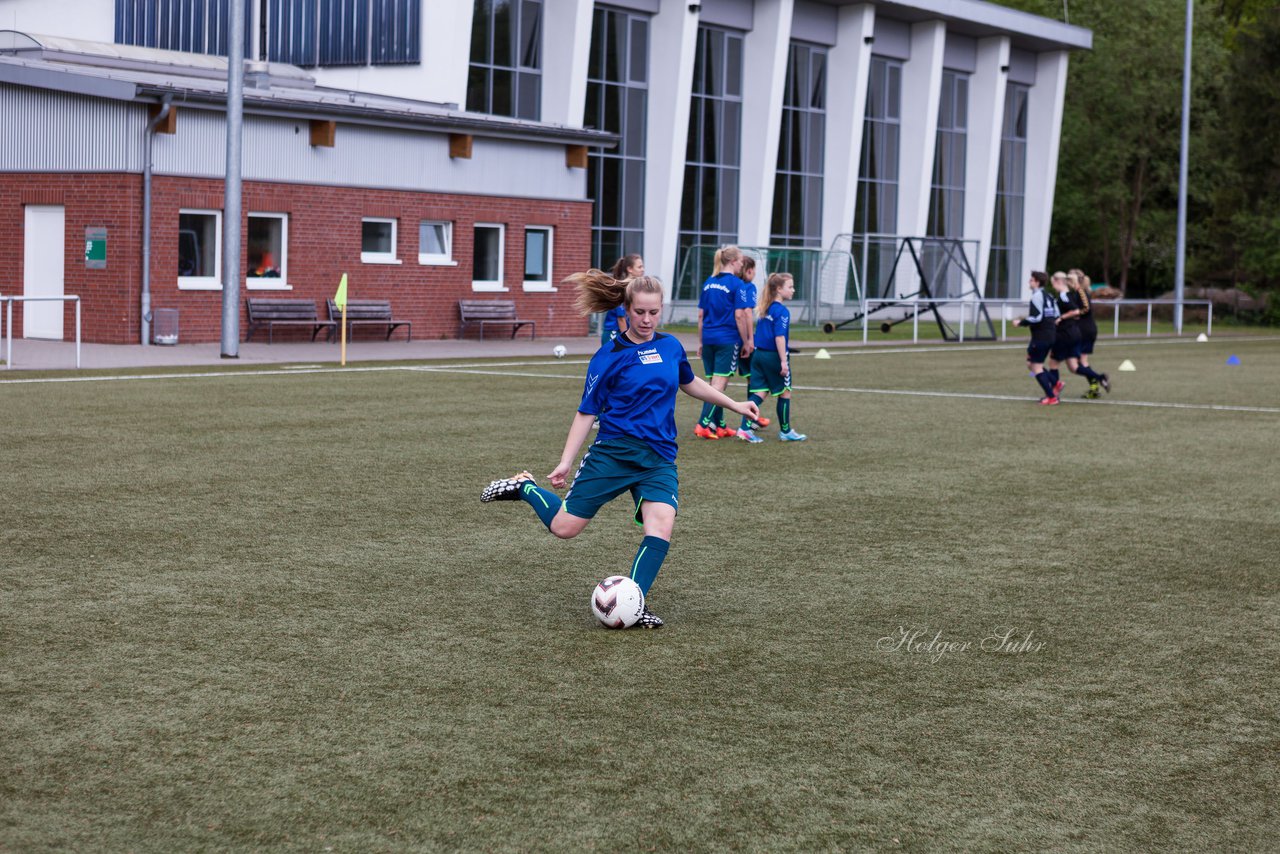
(499, 312)
(370, 312)
(285, 312)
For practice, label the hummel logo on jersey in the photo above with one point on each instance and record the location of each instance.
(592, 379)
(650, 356)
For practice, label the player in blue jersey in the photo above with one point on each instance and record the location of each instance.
(1042, 321)
(770, 365)
(724, 332)
(615, 320)
(631, 385)
(746, 317)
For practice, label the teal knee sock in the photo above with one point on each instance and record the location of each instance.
(757, 400)
(717, 417)
(784, 414)
(653, 551)
(543, 501)
(705, 420)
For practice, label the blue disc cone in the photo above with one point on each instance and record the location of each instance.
(1233, 359)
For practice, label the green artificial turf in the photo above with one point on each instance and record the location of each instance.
(269, 612)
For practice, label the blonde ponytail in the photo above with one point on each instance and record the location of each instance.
(598, 291)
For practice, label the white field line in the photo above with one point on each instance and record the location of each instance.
(1215, 407)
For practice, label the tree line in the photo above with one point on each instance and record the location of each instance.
(1115, 208)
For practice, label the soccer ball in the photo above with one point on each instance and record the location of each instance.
(559, 351)
(617, 602)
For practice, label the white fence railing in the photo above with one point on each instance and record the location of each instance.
(8, 322)
(969, 312)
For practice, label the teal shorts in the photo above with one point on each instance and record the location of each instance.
(615, 466)
(719, 360)
(766, 373)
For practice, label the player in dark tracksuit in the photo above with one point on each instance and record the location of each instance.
(1041, 319)
(1088, 326)
(1066, 346)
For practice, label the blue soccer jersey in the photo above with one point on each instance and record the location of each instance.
(721, 296)
(632, 388)
(612, 317)
(776, 321)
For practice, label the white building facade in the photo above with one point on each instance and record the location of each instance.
(766, 123)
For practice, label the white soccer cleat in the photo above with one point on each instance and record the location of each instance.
(507, 489)
(792, 436)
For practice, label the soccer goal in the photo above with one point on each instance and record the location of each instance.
(909, 277)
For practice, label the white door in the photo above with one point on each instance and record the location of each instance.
(44, 243)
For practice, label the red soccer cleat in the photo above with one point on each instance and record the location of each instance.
(1049, 401)
(705, 432)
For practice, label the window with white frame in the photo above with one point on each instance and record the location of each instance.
(378, 241)
(268, 250)
(199, 250)
(486, 269)
(435, 243)
(537, 258)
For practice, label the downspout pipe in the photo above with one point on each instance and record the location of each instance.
(148, 136)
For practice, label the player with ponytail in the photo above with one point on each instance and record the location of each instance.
(630, 386)
(724, 332)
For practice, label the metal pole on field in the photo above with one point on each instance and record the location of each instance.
(231, 186)
(1179, 271)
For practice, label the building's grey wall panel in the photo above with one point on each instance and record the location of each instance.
(649, 6)
(1022, 67)
(734, 14)
(811, 22)
(892, 39)
(43, 131)
(961, 53)
(384, 158)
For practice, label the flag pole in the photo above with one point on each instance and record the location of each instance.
(340, 300)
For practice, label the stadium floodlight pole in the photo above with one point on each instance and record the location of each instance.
(1180, 261)
(231, 186)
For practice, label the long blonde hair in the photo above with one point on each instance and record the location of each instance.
(1079, 283)
(598, 291)
(725, 255)
(771, 289)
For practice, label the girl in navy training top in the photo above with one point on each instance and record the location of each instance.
(1066, 347)
(630, 385)
(724, 332)
(1042, 320)
(770, 367)
(626, 267)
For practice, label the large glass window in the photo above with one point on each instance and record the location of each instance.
(505, 76)
(268, 247)
(1004, 272)
(486, 258)
(617, 101)
(946, 196)
(713, 153)
(199, 250)
(797, 194)
(876, 212)
(176, 24)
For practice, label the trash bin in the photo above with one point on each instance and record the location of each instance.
(164, 326)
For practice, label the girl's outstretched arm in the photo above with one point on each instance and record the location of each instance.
(578, 432)
(702, 390)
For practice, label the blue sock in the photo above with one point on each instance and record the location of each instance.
(784, 414)
(705, 420)
(543, 501)
(717, 417)
(757, 400)
(653, 551)
(1053, 375)
(1046, 383)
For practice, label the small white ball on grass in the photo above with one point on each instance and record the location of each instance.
(560, 351)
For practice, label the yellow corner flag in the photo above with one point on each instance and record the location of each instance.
(340, 298)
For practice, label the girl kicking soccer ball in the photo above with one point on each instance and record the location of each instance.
(770, 366)
(631, 386)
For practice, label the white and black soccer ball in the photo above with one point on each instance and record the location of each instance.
(559, 351)
(617, 602)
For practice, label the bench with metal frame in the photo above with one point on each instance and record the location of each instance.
(369, 312)
(499, 312)
(285, 312)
